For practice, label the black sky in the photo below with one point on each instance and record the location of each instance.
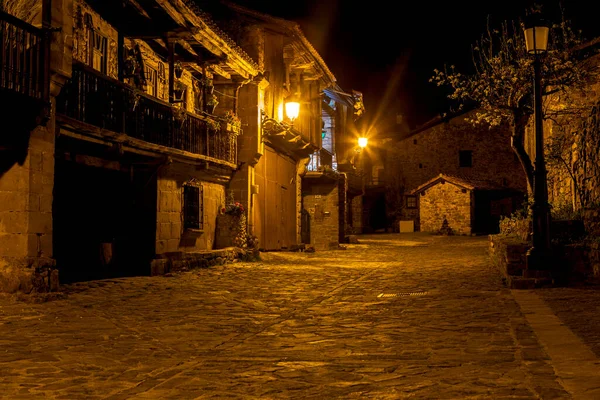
(388, 50)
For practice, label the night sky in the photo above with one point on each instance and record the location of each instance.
(388, 50)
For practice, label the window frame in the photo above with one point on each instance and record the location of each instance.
(192, 213)
(462, 160)
(151, 76)
(408, 202)
(95, 37)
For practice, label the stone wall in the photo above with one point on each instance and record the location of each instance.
(577, 145)
(26, 215)
(321, 200)
(446, 201)
(170, 235)
(356, 204)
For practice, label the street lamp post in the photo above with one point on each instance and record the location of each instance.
(536, 40)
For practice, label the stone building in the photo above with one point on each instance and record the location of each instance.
(289, 178)
(453, 205)
(453, 147)
(130, 169)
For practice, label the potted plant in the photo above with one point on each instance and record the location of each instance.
(233, 120)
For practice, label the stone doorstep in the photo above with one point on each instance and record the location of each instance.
(518, 282)
(182, 261)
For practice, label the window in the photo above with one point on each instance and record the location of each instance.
(411, 201)
(98, 48)
(151, 82)
(193, 207)
(465, 158)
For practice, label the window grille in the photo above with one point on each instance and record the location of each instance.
(98, 48)
(193, 207)
(151, 82)
(411, 201)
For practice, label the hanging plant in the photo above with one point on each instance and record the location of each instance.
(211, 103)
(206, 81)
(178, 90)
(212, 100)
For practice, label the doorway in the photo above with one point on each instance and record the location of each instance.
(104, 221)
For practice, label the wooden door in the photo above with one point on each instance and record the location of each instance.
(279, 212)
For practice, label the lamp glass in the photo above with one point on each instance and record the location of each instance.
(536, 39)
(362, 142)
(292, 109)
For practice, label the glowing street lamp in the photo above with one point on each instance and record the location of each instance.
(362, 142)
(536, 41)
(292, 109)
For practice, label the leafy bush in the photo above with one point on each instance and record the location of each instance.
(518, 224)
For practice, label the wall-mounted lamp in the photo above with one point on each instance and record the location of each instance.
(292, 109)
(362, 143)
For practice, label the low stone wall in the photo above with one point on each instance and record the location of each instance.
(572, 263)
(181, 261)
(508, 254)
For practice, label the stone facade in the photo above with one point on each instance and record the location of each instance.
(322, 204)
(170, 235)
(445, 201)
(26, 215)
(436, 148)
(27, 170)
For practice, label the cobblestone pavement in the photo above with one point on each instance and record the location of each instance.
(396, 316)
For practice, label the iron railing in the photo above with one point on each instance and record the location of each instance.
(24, 67)
(104, 102)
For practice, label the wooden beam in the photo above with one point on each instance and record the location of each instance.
(217, 69)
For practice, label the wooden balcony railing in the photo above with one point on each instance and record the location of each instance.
(98, 100)
(24, 67)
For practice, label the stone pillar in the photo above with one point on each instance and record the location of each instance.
(250, 146)
(357, 214)
(27, 182)
(26, 217)
(322, 204)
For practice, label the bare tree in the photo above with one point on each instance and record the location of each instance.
(501, 88)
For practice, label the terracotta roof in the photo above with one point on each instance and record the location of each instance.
(462, 182)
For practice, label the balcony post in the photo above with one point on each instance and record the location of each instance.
(171, 50)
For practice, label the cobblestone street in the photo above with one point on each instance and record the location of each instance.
(396, 316)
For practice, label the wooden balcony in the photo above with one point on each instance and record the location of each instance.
(24, 72)
(95, 99)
